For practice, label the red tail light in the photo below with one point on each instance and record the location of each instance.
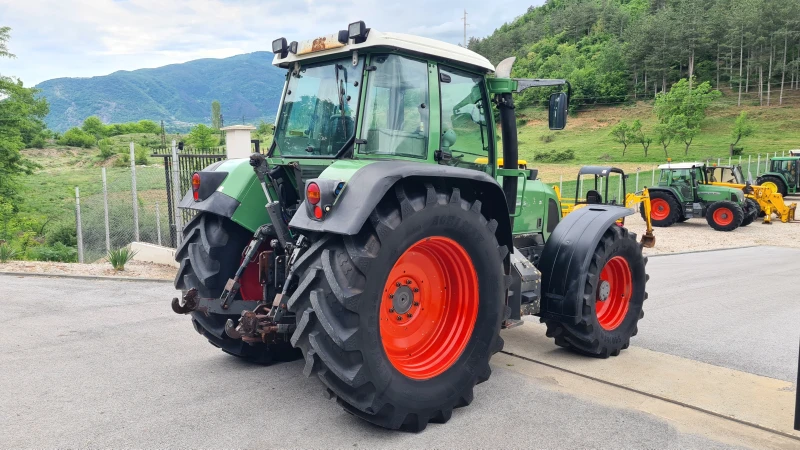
(196, 186)
(313, 194)
(318, 212)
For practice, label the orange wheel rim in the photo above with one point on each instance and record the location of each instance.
(614, 293)
(723, 216)
(429, 307)
(659, 209)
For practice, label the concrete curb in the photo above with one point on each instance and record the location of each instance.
(82, 277)
(711, 250)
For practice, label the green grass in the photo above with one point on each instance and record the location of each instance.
(587, 133)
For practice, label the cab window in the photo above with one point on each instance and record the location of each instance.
(464, 123)
(396, 114)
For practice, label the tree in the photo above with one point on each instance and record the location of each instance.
(202, 136)
(742, 128)
(216, 115)
(683, 109)
(638, 136)
(4, 38)
(666, 132)
(622, 134)
(94, 126)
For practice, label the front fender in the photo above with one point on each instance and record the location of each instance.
(370, 183)
(565, 260)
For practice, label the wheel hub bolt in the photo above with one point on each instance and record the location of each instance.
(397, 284)
(416, 289)
(409, 314)
(408, 281)
(399, 317)
(391, 310)
(391, 295)
(416, 303)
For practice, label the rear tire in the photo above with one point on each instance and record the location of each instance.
(343, 317)
(664, 209)
(724, 215)
(612, 301)
(751, 213)
(210, 254)
(770, 180)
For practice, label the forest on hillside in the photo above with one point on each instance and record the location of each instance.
(615, 51)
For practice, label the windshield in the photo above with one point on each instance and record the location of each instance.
(319, 109)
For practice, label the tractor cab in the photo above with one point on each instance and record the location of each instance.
(783, 176)
(603, 185)
(684, 178)
(725, 174)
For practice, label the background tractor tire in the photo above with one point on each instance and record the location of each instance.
(682, 219)
(362, 333)
(664, 210)
(724, 215)
(751, 213)
(612, 300)
(209, 255)
(773, 180)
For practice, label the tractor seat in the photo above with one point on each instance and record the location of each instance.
(593, 197)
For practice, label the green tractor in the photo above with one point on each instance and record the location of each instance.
(392, 248)
(684, 192)
(783, 176)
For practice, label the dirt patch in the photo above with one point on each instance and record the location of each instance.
(134, 269)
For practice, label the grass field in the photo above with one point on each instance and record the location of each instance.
(587, 134)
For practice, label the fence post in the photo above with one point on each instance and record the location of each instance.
(176, 192)
(637, 179)
(653, 181)
(740, 160)
(78, 223)
(758, 164)
(749, 160)
(135, 197)
(158, 223)
(719, 161)
(730, 161)
(105, 211)
(561, 184)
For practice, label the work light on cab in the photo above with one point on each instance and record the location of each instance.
(196, 186)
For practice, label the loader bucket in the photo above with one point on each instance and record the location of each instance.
(648, 240)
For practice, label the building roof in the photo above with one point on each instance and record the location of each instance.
(682, 165)
(415, 44)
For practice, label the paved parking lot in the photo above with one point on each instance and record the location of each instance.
(107, 364)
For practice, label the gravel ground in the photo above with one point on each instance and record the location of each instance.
(133, 269)
(696, 235)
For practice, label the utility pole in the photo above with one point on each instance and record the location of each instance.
(465, 28)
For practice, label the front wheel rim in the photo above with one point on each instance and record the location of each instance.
(723, 216)
(429, 307)
(613, 293)
(659, 209)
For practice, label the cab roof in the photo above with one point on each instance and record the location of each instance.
(413, 44)
(599, 170)
(683, 165)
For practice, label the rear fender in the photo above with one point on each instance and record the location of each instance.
(368, 185)
(565, 260)
(238, 196)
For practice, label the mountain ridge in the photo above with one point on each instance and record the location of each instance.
(247, 86)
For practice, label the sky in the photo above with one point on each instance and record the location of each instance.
(83, 38)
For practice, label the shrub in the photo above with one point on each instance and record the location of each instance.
(141, 155)
(6, 252)
(555, 156)
(57, 252)
(63, 233)
(38, 142)
(547, 138)
(124, 160)
(119, 257)
(76, 137)
(106, 147)
(521, 122)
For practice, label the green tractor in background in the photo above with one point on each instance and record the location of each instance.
(683, 192)
(783, 176)
(393, 249)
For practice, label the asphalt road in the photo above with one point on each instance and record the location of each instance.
(107, 364)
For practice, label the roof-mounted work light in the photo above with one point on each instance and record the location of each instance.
(358, 32)
(280, 47)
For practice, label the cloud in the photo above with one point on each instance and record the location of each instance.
(56, 38)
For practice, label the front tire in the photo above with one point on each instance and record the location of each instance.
(776, 184)
(724, 215)
(751, 213)
(401, 362)
(210, 254)
(664, 209)
(612, 300)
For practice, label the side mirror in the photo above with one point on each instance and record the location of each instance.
(558, 111)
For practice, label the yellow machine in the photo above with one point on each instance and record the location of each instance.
(768, 200)
(523, 164)
(594, 197)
